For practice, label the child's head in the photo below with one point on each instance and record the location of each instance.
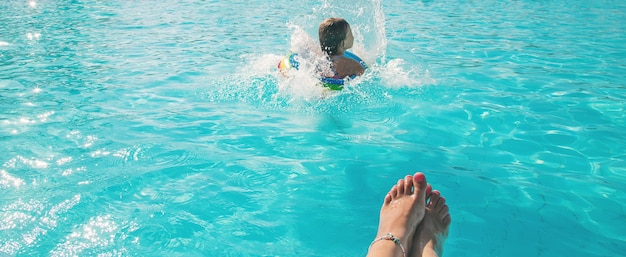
(335, 36)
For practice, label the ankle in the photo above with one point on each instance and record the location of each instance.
(429, 252)
(429, 249)
(388, 243)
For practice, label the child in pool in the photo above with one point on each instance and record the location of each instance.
(335, 38)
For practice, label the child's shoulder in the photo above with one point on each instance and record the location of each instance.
(347, 66)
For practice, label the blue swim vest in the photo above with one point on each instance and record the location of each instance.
(332, 83)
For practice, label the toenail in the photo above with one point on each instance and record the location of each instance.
(419, 177)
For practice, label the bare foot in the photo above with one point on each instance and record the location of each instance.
(403, 209)
(433, 231)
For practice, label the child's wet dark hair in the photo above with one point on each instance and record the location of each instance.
(331, 32)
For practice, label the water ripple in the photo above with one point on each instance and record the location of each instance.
(165, 129)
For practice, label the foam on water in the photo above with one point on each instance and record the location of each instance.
(368, 25)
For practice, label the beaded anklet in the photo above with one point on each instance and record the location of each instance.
(389, 236)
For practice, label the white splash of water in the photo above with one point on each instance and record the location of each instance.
(367, 21)
(301, 42)
(396, 73)
(381, 36)
(368, 25)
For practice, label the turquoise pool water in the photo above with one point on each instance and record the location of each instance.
(162, 128)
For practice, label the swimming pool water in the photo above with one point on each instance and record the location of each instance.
(133, 128)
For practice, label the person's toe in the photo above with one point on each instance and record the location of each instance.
(408, 185)
(444, 210)
(420, 187)
(387, 198)
(393, 193)
(400, 186)
(447, 219)
(434, 199)
(440, 203)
